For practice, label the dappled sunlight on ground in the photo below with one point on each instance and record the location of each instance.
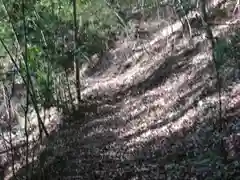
(167, 104)
(52, 121)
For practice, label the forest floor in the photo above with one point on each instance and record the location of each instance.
(154, 116)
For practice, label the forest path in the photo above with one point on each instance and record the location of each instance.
(147, 129)
(162, 99)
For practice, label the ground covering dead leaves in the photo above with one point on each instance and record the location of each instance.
(152, 119)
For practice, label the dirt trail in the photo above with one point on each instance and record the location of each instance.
(161, 101)
(165, 95)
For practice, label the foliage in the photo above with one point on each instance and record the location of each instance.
(227, 54)
(50, 52)
(50, 31)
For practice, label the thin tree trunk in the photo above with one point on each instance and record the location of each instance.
(32, 94)
(77, 66)
(213, 42)
(27, 89)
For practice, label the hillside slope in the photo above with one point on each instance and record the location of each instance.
(155, 102)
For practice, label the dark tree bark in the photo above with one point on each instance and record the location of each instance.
(77, 66)
(213, 42)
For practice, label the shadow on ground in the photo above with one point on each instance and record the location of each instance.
(108, 142)
(95, 150)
